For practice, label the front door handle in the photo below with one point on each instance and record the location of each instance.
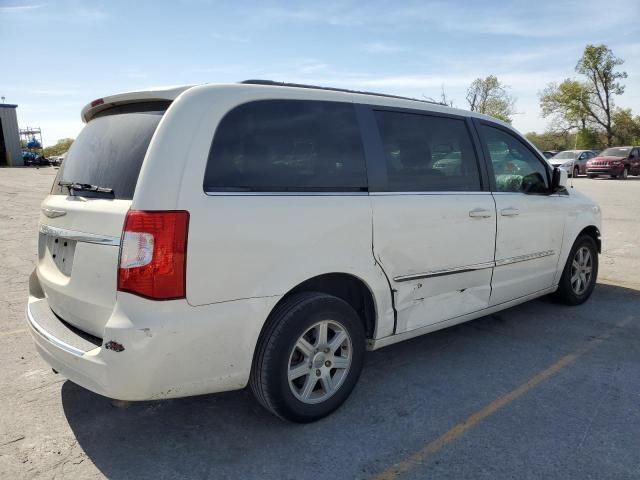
(480, 213)
(509, 212)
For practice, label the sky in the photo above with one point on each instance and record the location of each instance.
(57, 56)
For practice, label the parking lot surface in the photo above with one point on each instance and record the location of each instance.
(537, 391)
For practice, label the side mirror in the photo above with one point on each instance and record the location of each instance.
(559, 179)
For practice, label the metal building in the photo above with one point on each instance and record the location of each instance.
(10, 151)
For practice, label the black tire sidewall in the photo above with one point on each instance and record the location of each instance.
(293, 324)
(565, 291)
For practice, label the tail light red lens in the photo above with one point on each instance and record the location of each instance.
(153, 254)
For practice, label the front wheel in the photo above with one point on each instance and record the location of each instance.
(592, 176)
(580, 272)
(309, 357)
(576, 172)
(625, 174)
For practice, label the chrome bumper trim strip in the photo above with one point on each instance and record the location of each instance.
(79, 236)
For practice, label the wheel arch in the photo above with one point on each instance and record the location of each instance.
(345, 286)
(594, 232)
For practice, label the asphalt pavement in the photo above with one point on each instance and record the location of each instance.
(537, 391)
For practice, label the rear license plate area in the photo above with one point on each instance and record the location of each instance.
(62, 252)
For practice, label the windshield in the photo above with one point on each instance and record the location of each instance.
(567, 155)
(615, 152)
(109, 151)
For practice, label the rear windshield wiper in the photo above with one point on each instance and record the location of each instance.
(86, 187)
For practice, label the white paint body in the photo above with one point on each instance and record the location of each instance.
(245, 252)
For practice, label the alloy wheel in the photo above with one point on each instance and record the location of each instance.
(581, 270)
(319, 362)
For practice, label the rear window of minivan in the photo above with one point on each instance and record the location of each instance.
(109, 151)
(287, 145)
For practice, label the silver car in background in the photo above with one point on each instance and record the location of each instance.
(573, 161)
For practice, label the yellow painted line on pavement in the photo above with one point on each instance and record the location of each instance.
(419, 457)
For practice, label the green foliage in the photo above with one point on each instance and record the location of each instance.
(59, 148)
(587, 104)
(588, 138)
(565, 102)
(552, 140)
(491, 97)
(598, 64)
(583, 139)
(626, 127)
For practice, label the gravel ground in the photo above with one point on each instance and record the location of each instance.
(537, 391)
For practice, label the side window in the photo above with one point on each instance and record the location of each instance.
(515, 167)
(287, 145)
(635, 153)
(427, 153)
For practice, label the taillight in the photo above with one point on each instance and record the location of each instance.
(153, 254)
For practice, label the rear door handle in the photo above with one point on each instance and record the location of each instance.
(480, 213)
(509, 212)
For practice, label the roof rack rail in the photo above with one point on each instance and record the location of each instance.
(334, 89)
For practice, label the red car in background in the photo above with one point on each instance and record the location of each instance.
(616, 162)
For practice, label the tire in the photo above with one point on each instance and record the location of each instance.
(576, 172)
(306, 398)
(567, 292)
(625, 174)
(592, 176)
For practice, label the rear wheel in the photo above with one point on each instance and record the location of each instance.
(580, 272)
(309, 357)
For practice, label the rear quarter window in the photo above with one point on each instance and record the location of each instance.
(287, 145)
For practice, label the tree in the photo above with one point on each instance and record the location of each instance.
(491, 97)
(589, 138)
(626, 127)
(564, 102)
(598, 64)
(444, 99)
(59, 148)
(576, 104)
(552, 140)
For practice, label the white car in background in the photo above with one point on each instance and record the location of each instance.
(202, 239)
(574, 162)
(57, 159)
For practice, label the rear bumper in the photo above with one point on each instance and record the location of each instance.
(170, 349)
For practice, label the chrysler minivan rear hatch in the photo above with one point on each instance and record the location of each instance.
(82, 220)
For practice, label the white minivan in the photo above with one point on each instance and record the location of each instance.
(200, 239)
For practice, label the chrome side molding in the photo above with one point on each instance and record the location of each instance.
(79, 236)
(477, 266)
(447, 271)
(524, 258)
